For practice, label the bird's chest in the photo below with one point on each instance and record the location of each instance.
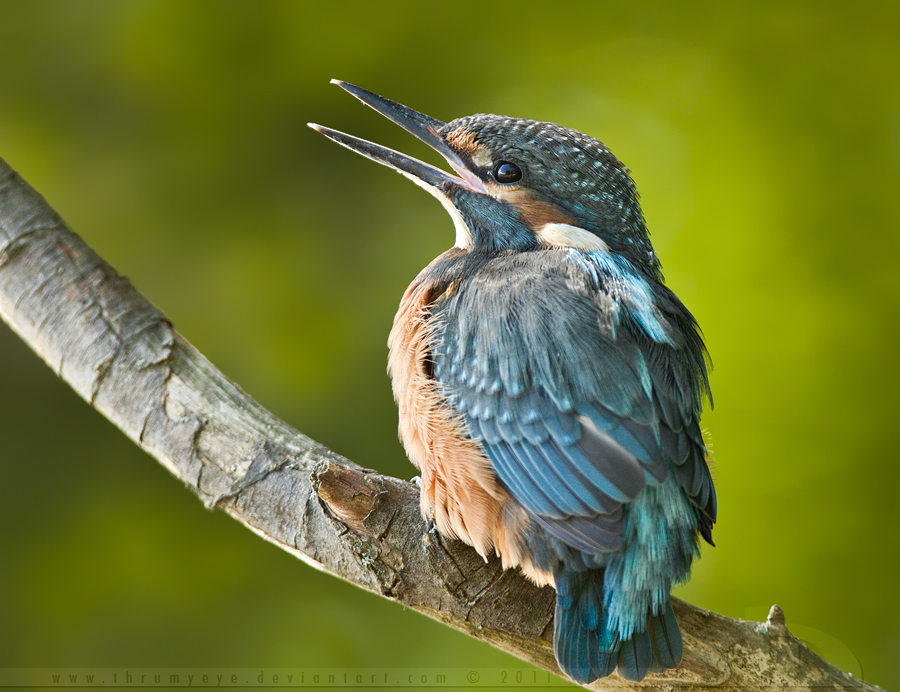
(459, 490)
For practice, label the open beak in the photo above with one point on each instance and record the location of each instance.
(417, 124)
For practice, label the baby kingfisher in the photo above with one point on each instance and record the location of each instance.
(550, 385)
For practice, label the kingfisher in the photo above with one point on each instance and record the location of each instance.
(550, 385)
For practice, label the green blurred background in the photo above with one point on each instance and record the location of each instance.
(764, 137)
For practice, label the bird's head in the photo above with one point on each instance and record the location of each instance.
(522, 184)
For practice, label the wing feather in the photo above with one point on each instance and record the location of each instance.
(575, 413)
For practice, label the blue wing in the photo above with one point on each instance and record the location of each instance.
(577, 404)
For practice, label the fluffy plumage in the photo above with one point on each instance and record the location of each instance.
(563, 386)
(550, 386)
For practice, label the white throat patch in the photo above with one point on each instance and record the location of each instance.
(564, 235)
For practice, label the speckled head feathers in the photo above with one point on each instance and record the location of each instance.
(572, 171)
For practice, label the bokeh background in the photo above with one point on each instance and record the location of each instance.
(764, 137)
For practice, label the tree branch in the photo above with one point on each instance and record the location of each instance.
(126, 359)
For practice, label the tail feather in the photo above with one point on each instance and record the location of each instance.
(635, 657)
(587, 648)
(666, 638)
(576, 652)
(577, 627)
(591, 604)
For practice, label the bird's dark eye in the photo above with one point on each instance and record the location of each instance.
(506, 172)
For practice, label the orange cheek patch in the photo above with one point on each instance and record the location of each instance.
(535, 213)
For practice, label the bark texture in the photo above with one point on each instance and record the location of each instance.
(126, 359)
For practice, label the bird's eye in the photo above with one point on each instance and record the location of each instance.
(506, 172)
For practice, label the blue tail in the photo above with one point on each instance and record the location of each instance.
(586, 649)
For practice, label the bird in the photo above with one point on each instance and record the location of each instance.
(550, 385)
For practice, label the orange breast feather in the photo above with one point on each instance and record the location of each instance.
(460, 491)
